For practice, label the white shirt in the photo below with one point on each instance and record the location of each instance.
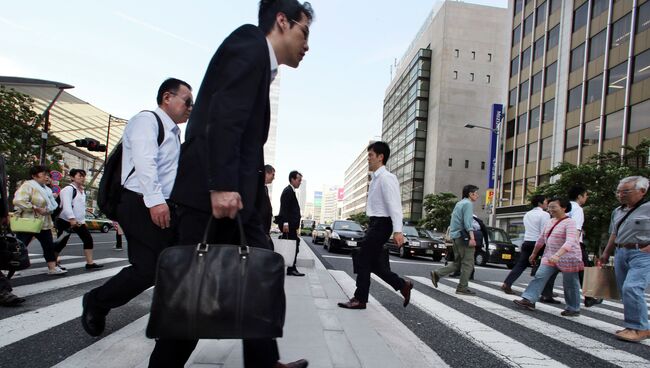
(274, 60)
(534, 222)
(384, 198)
(73, 209)
(155, 167)
(578, 215)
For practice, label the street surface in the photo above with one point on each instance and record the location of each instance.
(482, 331)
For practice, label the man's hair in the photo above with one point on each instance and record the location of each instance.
(35, 170)
(537, 200)
(380, 148)
(291, 8)
(268, 169)
(640, 182)
(469, 188)
(575, 191)
(294, 174)
(170, 85)
(74, 172)
(563, 201)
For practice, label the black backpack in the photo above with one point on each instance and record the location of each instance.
(110, 187)
(59, 208)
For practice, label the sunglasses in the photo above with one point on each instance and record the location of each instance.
(188, 103)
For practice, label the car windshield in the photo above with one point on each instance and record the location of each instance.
(423, 233)
(410, 231)
(498, 235)
(321, 227)
(347, 225)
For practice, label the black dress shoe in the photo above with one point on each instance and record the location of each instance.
(352, 304)
(302, 363)
(93, 266)
(92, 322)
(294, 272)
(590, 302)
(406, 292)
(548, 300)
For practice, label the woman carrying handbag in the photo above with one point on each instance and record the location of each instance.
(33, 207)
(562, 253)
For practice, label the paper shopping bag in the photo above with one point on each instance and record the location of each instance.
(600, 282)
(287, 248)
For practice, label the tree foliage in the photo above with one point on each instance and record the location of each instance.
(20, 136)
(437, 210)
(600, 176)
(360, 217)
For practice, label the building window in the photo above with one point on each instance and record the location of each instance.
(553, 37)
(551, 75)
(467, 164)
(522, 123)
(525, 58)
(516, 35)
(599, 7)
(482, 165)
(643, 18)
(523, 91)
(614, 125)
(617, 78)
(571, 139)
(528, 25)
(456, 52)
(489, 56)
(487, 79)
(537, 83)
(597, 45)
(577, 58)
(534, 118)
(575, 98)
(594, 89)
(592, 133)
(455, 74)
(514, 66)
(549, 111)
(538, 49)
(510, 129)
(473, 55)
(519, 4)
(641, 67)
(507, 161)
(555, 5)
(471, 77)
(532, 152)
(621, 31)
(520, 156)
(545, 149)
(540, 14)
(512, 97)
(640, 116)
(450, 162)
(580, 16)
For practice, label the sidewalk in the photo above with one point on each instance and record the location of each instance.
(315, 329)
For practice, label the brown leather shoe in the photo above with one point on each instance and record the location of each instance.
(525, 303)
(507, 289)
(302, 363)
(353, 304)
(406, 292)
(632, 335)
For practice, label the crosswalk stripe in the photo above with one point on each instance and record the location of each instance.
(35, 258)
(69, 266)
(572, 339)
(582, 319)
(510, 351)
(64, 281)
(27, 324)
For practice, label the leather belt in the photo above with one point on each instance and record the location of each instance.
(631, 245)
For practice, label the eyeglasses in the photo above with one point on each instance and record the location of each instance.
(304, 28)
(624, 191)
(188, 102)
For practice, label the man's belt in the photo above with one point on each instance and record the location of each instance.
(632, 245)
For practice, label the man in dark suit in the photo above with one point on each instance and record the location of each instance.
(220, 171)
(289, 216)
(266, 209)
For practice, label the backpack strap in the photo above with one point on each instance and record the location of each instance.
(161, 137)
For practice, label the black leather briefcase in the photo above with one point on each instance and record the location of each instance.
(218, 291)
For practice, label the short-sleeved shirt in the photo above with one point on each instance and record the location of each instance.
(635, 228)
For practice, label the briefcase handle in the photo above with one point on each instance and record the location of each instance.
(243, 247)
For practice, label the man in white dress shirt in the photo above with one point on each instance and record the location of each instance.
(149, 165)
(384, 209)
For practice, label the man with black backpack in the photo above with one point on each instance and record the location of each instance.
(150, 150)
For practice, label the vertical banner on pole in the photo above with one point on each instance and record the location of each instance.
(497, 117)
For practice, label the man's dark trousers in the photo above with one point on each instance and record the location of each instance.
(258, 353)
(373, 258)
(522, 263)
(146, 240)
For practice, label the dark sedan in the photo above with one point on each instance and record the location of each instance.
(417, 242)
(343, 235)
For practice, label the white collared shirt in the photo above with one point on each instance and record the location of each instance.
(578, 215)
(534, 222)
(274, 60)
(384, 198)
(155, 167)
(73, 209)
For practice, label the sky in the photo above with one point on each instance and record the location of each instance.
(116, 53)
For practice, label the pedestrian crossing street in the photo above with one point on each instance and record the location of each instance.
(489, 322)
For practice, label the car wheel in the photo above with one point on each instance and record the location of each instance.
(403, 253)
(511, 266)
(105, 228)
(437, 258)
(480, 259)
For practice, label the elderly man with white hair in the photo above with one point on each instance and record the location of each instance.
(630, 234)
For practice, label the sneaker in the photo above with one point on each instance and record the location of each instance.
(465, 292)
(93, 266)
(590, 302)
(569, 313)
(61, 267)
(434, 279)
(56, 271)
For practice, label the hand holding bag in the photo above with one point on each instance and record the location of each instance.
(600, 282)
(218, 291)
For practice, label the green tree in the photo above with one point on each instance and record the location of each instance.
(600, 176)
(437, 210)
(360, 217)
(20, 136)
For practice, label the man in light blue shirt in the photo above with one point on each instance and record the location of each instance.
(461, 231)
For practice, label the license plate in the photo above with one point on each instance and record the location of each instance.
(429, 251)
(506, 256)
(352, 243)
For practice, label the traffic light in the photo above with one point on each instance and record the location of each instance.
(91, 144)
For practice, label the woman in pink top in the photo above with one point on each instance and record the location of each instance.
(562, 253)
